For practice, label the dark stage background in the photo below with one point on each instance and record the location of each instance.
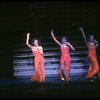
(38, 18)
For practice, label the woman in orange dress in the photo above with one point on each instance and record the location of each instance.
(39, 75)
(94, 65)
(65, 61)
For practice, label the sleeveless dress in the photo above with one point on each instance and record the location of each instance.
(39, 74)
(65, 58)
(94, 66)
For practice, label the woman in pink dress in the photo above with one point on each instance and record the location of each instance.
(65, 61)
(39, 75)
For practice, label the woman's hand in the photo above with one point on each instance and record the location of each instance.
(28, 34)
(67, 43)
(52, 32)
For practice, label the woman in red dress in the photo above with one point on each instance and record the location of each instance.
(65, 62)
(94, 65)
(39, 75)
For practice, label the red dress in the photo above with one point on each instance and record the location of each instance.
(39, 74)
(94, 66)
(65, 57)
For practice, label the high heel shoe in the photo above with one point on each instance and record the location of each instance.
(61, 78)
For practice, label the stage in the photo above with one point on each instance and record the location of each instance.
(53, 88)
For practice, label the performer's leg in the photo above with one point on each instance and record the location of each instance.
(42, 71)
(89, 72)
(66, 71)
(96, 67)
(36, 71)
(93, 68)
(61, 74)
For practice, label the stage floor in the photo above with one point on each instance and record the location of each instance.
(79, 87)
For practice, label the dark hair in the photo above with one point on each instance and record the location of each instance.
(65, 38)
(34, 40)
(90, 36)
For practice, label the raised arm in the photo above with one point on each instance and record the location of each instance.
(55, 38)
(27, 40)
(81, 29)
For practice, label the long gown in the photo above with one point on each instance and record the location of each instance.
(39, 74)
(94, 66)
(65, 59)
